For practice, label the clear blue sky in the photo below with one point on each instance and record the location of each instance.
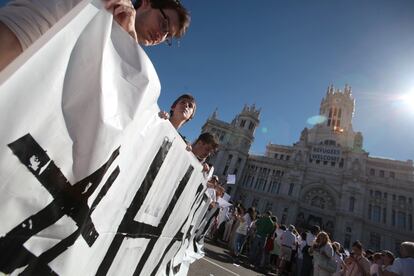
(281, 55)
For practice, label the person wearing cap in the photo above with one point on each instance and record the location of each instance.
(264, 229)
(387, 258)
(149, 22)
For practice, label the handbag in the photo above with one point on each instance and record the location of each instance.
(326, 263)
(269, 244)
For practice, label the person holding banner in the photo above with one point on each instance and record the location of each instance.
(205, 145)
(182, 110)
(149, 22)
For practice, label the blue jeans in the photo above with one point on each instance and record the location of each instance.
(257, 250)
(238, 243)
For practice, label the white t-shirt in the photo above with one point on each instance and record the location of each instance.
(29, 19)
(402, 266)
(302, 244)
(374, 270)
(310, 238)
(288, 239)
(244, 226)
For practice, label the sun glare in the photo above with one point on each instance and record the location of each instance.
(408, 99)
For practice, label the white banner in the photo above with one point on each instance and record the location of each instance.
(92, 181)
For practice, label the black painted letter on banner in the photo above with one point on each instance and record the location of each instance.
(70, 200)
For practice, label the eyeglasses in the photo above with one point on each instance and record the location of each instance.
(165, 25)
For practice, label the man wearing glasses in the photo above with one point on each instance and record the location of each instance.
(149, 22)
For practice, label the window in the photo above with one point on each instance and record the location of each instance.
(351, 204)
(375, 241)
(410, 200)
(276, 155)
(392, 174)
(269, 206)
(282, 156)
(339, 113)
(251, 125)
(376, 216)
(401, 220)
(401, 199)
(255, 202)
(264, 185)
(385, 195)
(333, 164)
(287, 157)
(229, 159)
(329, 122)
(410, 222)
(369, 211)
(394, 197)
(393, 217)
(257, 183)
(381, 173)
(347, 241)
(243, 123)
(278, 187)
(325, 163)
(226, 168)
(341, 163)
(378, 194)
(371, 192)
(384, 215)
(291, 188)
(371, 172)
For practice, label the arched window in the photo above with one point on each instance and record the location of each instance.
(351, 204)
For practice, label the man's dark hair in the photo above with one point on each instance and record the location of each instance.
(283, 227)
(357, 244)
(208, 138)
(183, 15)
(315, 229)
(188, 97)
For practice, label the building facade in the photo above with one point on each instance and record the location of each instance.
(325, 178)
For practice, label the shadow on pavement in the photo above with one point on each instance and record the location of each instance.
(225, 257)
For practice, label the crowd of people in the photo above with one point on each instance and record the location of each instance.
(261, 243)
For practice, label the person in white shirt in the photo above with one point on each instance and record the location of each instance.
(376, 264)
(299, 259)
(307, 259)
(403, 266)
(288, 241)
(149, 22)
(241, 232)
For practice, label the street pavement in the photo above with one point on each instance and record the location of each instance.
(218, 262)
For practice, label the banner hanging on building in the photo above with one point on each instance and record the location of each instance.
(92, 181)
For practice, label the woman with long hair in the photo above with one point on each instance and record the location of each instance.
(323, 254)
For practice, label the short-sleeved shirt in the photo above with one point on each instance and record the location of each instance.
(29, 19)
(402, 266)
(288, 239)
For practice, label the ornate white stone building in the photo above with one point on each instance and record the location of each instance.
(325, 178)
